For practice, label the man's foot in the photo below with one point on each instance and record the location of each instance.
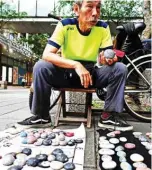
(34, 121)
(115, 122)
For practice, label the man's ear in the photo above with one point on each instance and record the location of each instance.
(76, 9)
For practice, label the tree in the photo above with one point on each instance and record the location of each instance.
(147, 19)
(7, 14)
(37, 43)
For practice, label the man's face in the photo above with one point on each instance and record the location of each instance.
(89, 12)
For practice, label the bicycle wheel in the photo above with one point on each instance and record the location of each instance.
(138, 91)
(55, 95)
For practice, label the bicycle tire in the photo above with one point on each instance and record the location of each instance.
(53, 102)
(135, 100)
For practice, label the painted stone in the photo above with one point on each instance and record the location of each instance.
(69, 153)
(17, 149)
(24, 141)
(55, 142)
(136, 157)
(78, 140)
(11, 153)
(44, 164)
(32, 162)
(102, 138)
(63, 143)
(23, 134)
(145, 143)
(150, 152)
(111, 134)
(38, 143)
(106, 152)
(69, 166)
(27, 151)
(117, 132)
(107, 146)
(70, 143)
(130, 145)
(31, 139)
(137, 134)
(40, 131)
(139, 165)
(143, 169)
(37, 135)
(114, 140)
(121, 153)
(122, 159)
(21, 156)
(44, 135)
(47, 142)
(8, 160)
(52, 136)
(51, 158)
(123, 139)
(125, 166)
(57, 151)
(69, 134)
(106, 158)
(55, 165)
(20, 162)
(61, 137)
(42, 157)
(103, 142)
(149, 146)
(109, 165)
(61, 157)
(142, 138)
(56, 130)
(15, 168)
(119, 148)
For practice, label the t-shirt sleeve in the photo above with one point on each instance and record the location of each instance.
(106, 40)
(57, 38)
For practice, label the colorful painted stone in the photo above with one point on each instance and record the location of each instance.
(61, 157)
(27, 151)
(23, 134)
(57, 151)
(106, 158)
(114, 140)
(37, 135)
(139, 165)
(136, 157)
(15, 168)
(119, 148)
(122, 159)
(125, 166)
(69, 166)
(55, 165)
(8, 160)
(130, 145)
(24, 141)
(109, 165)
(106, 152)
(117, 132)
(47, 142)
(42, 157)
(32, 162)
(31, 139)
(123, 139)
(111, 134)
(142, 138)
(44, 164)
(121, 154)
(69, 134)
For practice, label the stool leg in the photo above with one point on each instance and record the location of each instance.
(58, 112)
(89, 111)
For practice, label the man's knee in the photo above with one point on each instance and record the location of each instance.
(121, 68)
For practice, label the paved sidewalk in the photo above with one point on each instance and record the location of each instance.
(14, 107)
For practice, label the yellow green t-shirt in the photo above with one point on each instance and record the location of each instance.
(76, 45)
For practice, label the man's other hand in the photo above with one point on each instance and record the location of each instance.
(84, 75)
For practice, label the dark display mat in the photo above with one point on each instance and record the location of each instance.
(140, 149)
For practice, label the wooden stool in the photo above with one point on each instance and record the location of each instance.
(84, 117)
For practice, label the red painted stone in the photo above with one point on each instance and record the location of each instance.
(130, 145)
(69, 134)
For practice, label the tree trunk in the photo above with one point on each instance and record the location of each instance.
(147, 19)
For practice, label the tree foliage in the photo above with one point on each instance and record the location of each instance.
(37, 42)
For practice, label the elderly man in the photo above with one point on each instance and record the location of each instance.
(81, 40)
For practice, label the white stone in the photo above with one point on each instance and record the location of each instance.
(56, 165)
(106, 158)
(51, 158)
(125, 166)
(106, 152)
(119, 148)
(136, 157)
(109, 165)
(150, 152)
(111, 134)
(149, 146)
(8, 160)
(139, 165)
(101, 138)
(123, 139)
(107, 146)
(103, 142)
(121, 153)
(114, 140)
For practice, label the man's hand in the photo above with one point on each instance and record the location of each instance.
(106, 61)
(84, 75)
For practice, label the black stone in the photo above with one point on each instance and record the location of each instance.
(42, 157)
(69, 166)
(15, 168)
(72, 140)
(70, 143)
(57, 151)
(44, 164)
(51, 136)
(78, 140)
(32, 162)
(61, 157)
(47, 142)
(27, 151)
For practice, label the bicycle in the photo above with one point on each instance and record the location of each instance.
(138, 61)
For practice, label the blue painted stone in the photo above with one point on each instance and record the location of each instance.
(57, 151)
(24, 140)
(61, 157)
(15, 168)
(27, 151)
(23, 134)
(42, 157)
(32, 162)
(51, 136)
(47, 142)
(69, 166)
